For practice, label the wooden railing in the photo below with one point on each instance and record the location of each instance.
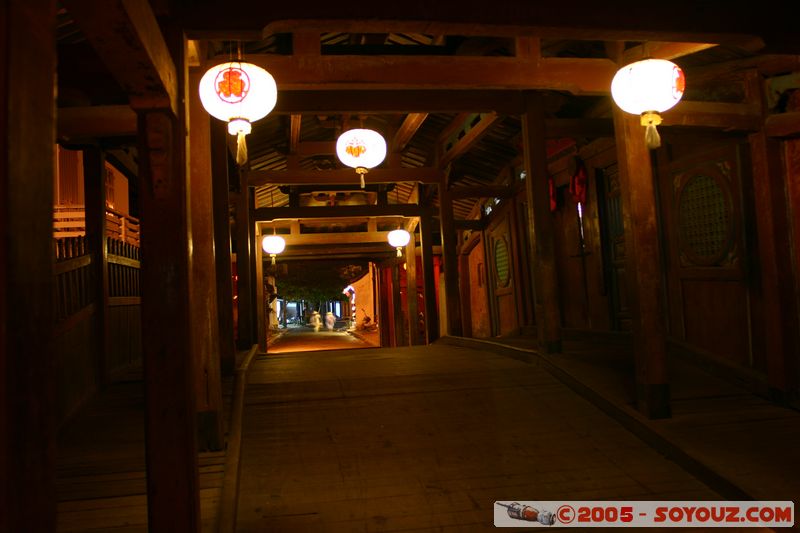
(70, 221)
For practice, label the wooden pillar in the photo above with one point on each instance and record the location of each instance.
(643, 265)
(540, 227)
(94, 185)
(222, 246)
(452, 295)
(247, 336)
(260, 299)
(27, 359)
(170, 414)
(203, 288)
(397, 307)
(778, 282)
(429, 285)
(411, 289)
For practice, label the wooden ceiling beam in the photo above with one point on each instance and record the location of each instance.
(486, 191)
(334, 72)
(294, 132)
(468, 140)
(126, 36)
(730, 117)
(663, 50)
(265, 214)
(406, 131)
(312, 148)
(93, 122)
(783, 125)
(398, 101)
(256, 178)
(337, 238)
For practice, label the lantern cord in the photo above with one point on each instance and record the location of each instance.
(651, 137)
(241, 149)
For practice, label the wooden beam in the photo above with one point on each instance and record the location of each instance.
(486, 191)
(264, 214)
(579, 76)
(468, 140)
(783, 125)
(731, 117)
(476, 225)
(257, 178)
(294, 132)
(334, 238)
(28, 356)
(312, 148)
(406, 131)
(663, 50)
(398, 101)
(127, 37)
(451, 292)
(80, 123)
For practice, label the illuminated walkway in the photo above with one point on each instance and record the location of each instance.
(428, 438)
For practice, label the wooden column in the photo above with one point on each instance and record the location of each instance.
(778, 276)
(643, 265)
(540, 227)
(94, 185)
(170, 422)
(247, 335)
(411, 289)
(260, 299)
(222, 245)
(27, 359)
(397, 307)
(429, 285)
(452, 294)
(203, 288)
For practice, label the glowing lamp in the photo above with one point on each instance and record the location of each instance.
(238, 93)
(647, 88)
(361, 149)
(273, 245)
(399, 238)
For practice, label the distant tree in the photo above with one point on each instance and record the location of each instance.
(318, 281)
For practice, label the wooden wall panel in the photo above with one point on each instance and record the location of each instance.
(479, 297)
(704, 225)
(75, 367)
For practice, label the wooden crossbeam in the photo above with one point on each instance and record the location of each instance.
(783, 125)
(294, 132)
(330, 238)
(90, 122)
(126, 36)
(663, 50)
(265, 214)
(257, 178)
(334, 72)
(738, 117)
(487, 191)
(406, 131)
(468, 140)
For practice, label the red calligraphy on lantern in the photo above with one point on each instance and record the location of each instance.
(232, 85)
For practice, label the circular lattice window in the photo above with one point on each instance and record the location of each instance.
(705, 220)
(501, 263)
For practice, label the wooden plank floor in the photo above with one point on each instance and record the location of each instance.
(427, 439)
(100, 478)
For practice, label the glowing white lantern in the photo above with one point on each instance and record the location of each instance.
(647, 88)
(238, 93)
(399, 238)
(273, 245)
(361, 149)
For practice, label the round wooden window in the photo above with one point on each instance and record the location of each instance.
(705, 220)
(501, 263)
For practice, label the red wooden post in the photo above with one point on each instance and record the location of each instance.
(540, 227)
(222, 245)
(452, 294)
(173, 502)
(94, 173)
(27, 360)
(203, 289)
(411, 289)
(779, 278)
(643, 266)
(244, 270)
(429, 284)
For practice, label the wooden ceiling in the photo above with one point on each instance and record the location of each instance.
(444, 83)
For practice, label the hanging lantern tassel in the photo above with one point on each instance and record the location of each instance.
(361, 171)
(241, 149)
(651, 137)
